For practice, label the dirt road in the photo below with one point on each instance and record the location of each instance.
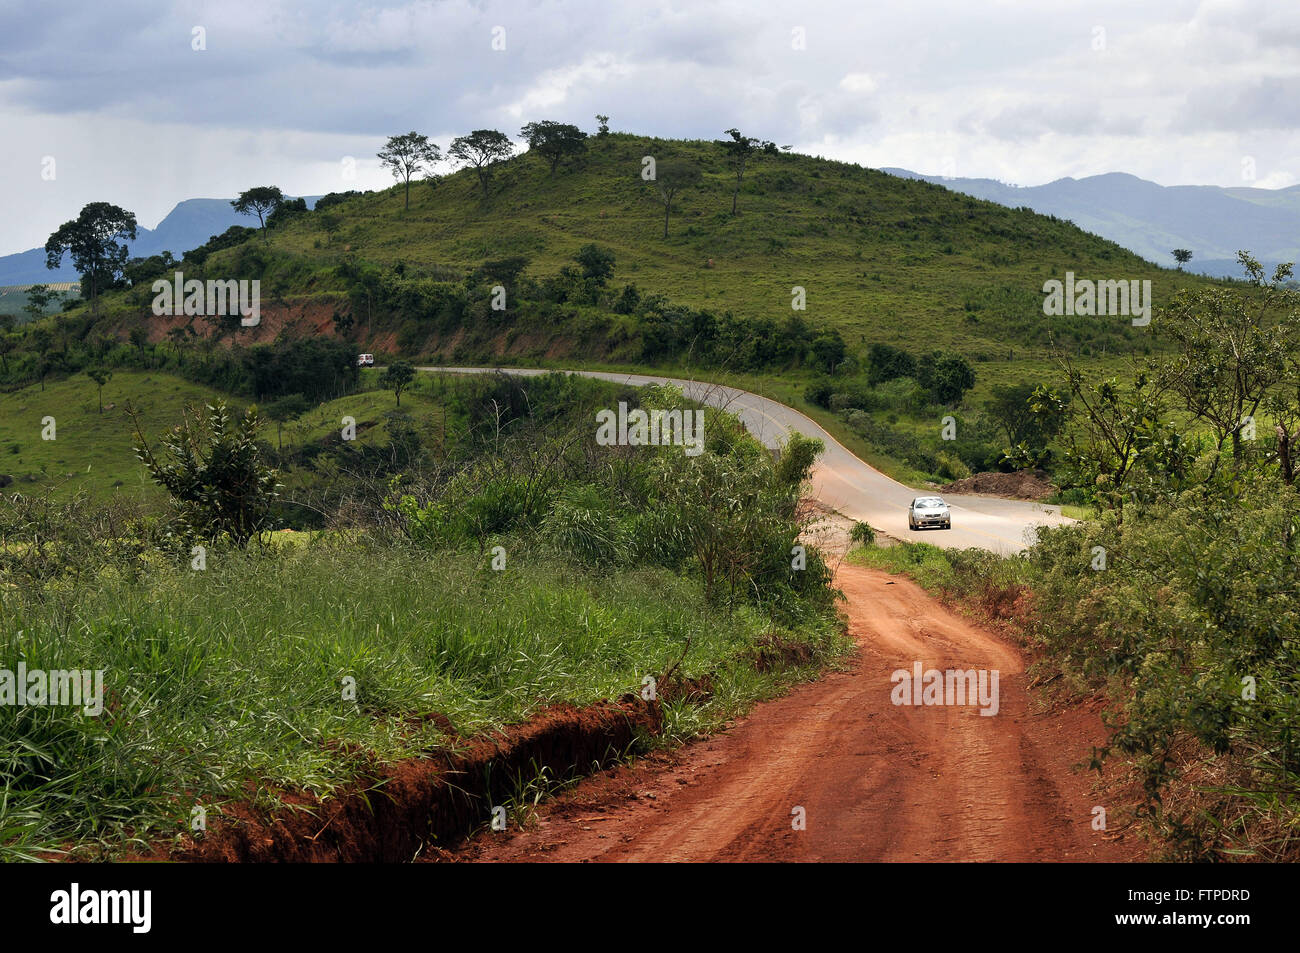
(876, 781)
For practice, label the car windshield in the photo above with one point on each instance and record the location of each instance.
(929, 503)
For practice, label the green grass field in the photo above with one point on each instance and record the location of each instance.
(92, 454)
(235, 675)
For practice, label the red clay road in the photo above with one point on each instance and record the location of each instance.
(877, 781)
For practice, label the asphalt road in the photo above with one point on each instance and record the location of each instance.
(844, 482)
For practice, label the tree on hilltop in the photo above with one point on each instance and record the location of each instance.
(408, 155)
(554, 141)
(260, 201)
(481, 150)
(740, 151)
(96, 240)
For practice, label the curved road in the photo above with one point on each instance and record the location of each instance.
(842, 481)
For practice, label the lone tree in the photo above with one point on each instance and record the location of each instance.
(397, 378)
(282, 411)
(100, 376)
(93, 239)
(670, 179)
(946, 376)
(1182, 256)
(482, 149)
(1233, 348)
(139, 338)
(741, 150)
(259, 201)
(39, 297)
(554, 141)
(1012, 408)
(603, 128)
(407, 156)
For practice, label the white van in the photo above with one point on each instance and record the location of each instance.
(365, 360)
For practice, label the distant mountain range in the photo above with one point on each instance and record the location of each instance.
(188, 225)
(1214, 223)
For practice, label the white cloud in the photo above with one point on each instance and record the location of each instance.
(861, 83)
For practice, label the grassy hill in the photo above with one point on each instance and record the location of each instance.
(91, 452)
(882, 258)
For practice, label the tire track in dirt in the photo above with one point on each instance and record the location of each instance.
(878, 782)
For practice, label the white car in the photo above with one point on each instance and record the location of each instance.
(365, 360)
(928, 511)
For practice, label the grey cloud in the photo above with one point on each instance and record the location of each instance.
(1272, 102)
(991, 81)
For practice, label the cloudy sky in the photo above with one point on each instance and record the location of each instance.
(131, 112)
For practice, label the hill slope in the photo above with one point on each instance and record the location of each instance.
(881, 258)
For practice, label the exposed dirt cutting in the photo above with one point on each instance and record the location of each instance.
(419, 803)
(1020, 485)
(878, 782)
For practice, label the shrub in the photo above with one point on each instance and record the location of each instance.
(218, 483)
(951, 467)
(580, 525)
(862, 534)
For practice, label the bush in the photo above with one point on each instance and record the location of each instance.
(819, 393)
(332, 199)
(950, 467)
(1196, 597)
(214, 472)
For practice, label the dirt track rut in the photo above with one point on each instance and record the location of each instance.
(877, 781)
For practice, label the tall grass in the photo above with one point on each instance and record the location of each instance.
(232, 680)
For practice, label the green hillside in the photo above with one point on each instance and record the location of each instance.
(15, 298)
(880, 260)
(90, 452)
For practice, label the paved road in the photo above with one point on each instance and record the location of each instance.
(843, 481)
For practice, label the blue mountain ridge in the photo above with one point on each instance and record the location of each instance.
(190, 224)
(1213, 222)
